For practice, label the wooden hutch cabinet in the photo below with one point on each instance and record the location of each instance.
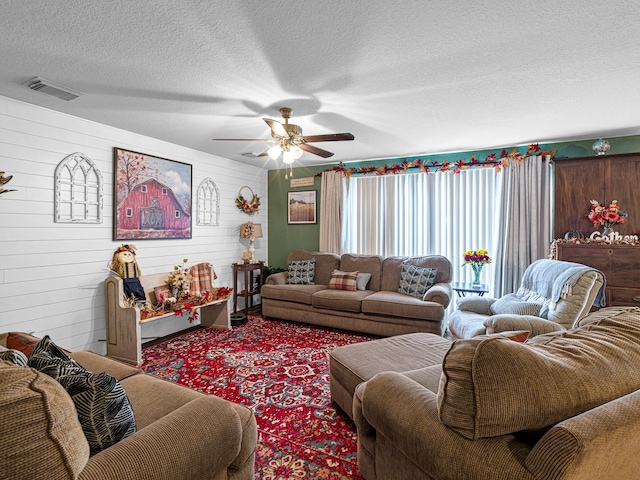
(604, 178)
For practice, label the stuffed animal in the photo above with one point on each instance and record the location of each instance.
(125, 265)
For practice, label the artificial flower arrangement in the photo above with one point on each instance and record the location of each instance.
(607, 217)
(477, 259)
(180, 280)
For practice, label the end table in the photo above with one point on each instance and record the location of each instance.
(462, 288)
(250, 288)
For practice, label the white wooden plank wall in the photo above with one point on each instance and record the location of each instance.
(51, 274)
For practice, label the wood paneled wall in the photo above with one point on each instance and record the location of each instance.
(52, 274)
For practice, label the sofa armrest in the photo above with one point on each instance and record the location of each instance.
(279, 278)
(506, 322)
(591, 445)
(197, 441)
(397, 408)
(476, 304)
(439, 293)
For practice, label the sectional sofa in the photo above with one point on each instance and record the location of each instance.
(378, 309)
(181, 434)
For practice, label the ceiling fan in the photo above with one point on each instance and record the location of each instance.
(290, 141)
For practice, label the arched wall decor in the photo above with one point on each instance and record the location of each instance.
(208, 203)
(78, 190)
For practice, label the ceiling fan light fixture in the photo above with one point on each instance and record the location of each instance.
(297, 152)
(288, 157)
(274, 152)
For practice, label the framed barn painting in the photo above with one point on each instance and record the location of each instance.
(301, 207)
(152, 197)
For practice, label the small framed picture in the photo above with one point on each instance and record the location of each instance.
(302, 207)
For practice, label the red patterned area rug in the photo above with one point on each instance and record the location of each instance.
(281, 371)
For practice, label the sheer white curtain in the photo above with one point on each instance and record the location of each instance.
(331, 200)
(525, 220)
(419, 214)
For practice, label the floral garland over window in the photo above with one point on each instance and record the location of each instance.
(248, 206)
(429, 166)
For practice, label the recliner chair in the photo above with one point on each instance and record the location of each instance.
(552, 296)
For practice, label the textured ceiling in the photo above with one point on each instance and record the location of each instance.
(405, 77)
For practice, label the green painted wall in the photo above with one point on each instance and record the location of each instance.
(283, 237)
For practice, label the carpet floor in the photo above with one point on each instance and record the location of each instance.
(281, 371)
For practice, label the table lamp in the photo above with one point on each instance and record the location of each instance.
(251, 231)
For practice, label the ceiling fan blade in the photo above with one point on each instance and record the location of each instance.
(242, 139)
(315, 150)
(276, 127)
(329, 137)
(263, 154)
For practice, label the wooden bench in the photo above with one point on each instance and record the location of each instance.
(124, 339)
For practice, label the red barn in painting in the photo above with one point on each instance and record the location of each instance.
(152, 205)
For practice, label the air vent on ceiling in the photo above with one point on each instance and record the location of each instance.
(51, 88)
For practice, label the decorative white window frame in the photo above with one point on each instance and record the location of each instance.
(68, 183)
(208, 203)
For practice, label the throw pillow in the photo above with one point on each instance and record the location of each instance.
(514, 335)
(22, 341)
(301, 272)
(513, 305)
(48, 358)
(415, 281)
(15, 357)
(103, 408)
(343, 280)
(363, 280)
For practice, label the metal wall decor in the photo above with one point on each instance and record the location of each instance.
(208, 203)
(78, 190)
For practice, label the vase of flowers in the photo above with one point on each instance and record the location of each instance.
(180, 280)
(606, 217)
(477, 259)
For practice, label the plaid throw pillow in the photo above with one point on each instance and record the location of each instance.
(301, 272)
(343, 280)
(415, 281)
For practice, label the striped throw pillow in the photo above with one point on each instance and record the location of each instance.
(343, 280)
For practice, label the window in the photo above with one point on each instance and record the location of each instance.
(143, 188)
(78, 190)
(419, 214)
(129, 212)
(177, 214)
(164, 191)
(208, 203)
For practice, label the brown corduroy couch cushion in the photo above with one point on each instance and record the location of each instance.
(39, 426)
(492, 386)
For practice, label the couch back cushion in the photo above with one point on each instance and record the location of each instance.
(372, 264)
(40, 435)
(493, 386)
(326, 263)
(392, 267)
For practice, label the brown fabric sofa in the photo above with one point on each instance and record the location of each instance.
(181, 433)
(379, 310)
(563, 406)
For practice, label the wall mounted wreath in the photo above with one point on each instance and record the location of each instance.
(248, 206)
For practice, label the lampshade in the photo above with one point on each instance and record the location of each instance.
(250, 229)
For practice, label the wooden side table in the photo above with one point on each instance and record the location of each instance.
(250, 288)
